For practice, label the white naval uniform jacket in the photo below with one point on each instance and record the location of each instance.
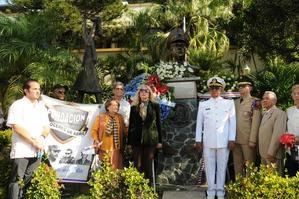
(216, 120)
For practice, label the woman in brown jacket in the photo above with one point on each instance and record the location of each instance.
(108, 132)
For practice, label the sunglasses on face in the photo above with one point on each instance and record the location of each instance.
(214, 87)
(60, 92)
(144, 90)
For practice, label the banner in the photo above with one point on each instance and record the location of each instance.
(69, 143)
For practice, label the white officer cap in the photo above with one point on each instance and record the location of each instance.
(216, 81)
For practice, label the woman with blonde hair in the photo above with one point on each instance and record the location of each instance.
(108, 132)
(144, 134)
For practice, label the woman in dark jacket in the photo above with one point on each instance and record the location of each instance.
(144, 134)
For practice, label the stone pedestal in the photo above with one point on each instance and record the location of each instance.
(179, 162)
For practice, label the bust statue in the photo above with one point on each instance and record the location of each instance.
(177, 43)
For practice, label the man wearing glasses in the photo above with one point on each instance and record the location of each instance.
(215, 134)
(68, 157)
(59, 91)
(125, 107)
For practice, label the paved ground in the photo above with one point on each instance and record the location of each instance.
(186, 192)
(184, 195)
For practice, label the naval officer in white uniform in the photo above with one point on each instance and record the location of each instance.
(215, 134)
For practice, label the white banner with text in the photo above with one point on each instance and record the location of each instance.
(69, 144)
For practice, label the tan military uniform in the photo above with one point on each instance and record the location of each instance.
(272, 126)
(248, 112)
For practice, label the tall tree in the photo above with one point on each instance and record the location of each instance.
(269, 28)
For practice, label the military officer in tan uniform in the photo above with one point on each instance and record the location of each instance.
(248, 112)
(272, 126)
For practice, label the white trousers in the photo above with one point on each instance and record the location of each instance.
(215, 165)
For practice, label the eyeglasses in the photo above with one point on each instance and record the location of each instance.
(144, 90)
(60, 92)
(119, 89)
(215, 87)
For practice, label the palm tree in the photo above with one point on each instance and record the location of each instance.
(27, 52)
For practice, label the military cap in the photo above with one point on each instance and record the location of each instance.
(57, 86)
(245, 80)
(216, 81)
(177, 35)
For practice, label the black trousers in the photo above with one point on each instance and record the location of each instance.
(291, 166)
(22, 170)
(143, 157)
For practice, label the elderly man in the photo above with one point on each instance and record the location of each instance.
(215, 133)
(125, 107)
(29, 121)
(272, 126)
(248, 112)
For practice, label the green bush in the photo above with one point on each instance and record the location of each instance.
(263, 183)
(5, 168)
(128, 183)
(278, 77)
(43, 184)
(5, 138)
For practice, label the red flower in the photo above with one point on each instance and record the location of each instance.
(163, 89)
(287, 139)
(153, 80)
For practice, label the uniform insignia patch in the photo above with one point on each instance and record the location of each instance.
(256, 105)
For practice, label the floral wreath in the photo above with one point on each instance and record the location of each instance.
(162, 91)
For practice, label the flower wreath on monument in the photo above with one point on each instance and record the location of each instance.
(162, 91)
(163, 71)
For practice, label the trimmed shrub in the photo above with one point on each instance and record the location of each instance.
(43, 184)
(263, 183)
(128, 183)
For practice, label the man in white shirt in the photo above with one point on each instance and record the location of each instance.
(125, 107)
(29, 121)
(291, 164)
(215, 134)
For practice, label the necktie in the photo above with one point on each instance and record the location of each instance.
(241, 100)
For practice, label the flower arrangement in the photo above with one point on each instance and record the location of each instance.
(170, 70)
(162, 91)
(287, 139)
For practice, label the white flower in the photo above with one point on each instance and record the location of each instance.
(190, 70)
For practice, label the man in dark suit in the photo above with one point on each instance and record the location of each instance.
(83, 160)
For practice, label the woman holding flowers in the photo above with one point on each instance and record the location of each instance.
(144, 134)
(291, 163)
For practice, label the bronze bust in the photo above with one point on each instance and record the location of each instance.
(177, 43)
